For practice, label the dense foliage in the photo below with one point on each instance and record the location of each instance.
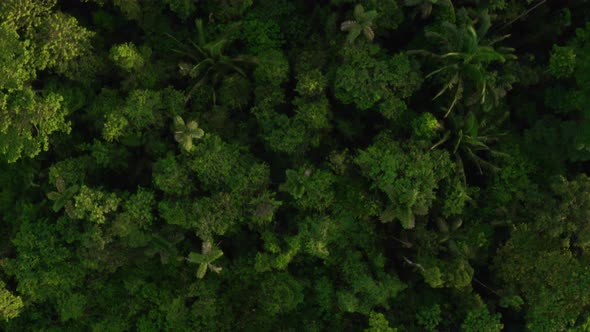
(291, 165)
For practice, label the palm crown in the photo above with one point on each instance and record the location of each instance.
(363, 22)
(208, 63)
(62, 197)
(467, 60)
(185, 133)
(208, 255)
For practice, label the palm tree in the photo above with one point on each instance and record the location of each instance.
(62, 197)
(450, 234)
(207, 63)
(472, 138)
(205, 259)
(466, 60)
(185, 133)
(363, 22)
(164, 246)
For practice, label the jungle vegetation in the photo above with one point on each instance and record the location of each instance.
(295, 165)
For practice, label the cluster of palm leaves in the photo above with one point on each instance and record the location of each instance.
(62, 198)
(205, 259)
(164, 246)
(466, 62)
(184, 133)
(362, 23)
(471, 139)
(449, 233)
(207, 63)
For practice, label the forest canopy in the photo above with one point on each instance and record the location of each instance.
(295, 165)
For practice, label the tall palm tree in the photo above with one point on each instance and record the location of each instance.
(466, 63)
(205, 259)
(62, 197)
(362, 23)
(471, 139)
(185, 133)
(208, 63)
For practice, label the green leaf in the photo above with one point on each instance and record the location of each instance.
(187, 143)
(70, 210)
(193, 125)
(200, 32)
(202, 270)
(347, 25)
(60, 184)
(442, 225)
(59, 204)
(471, 125)
(368, 32)
(406, 217)
(456, 224)
(199, 133)
(353, 34)
(214, 255)
(214, 268)
(179, 121)
(186, 133)
(387, 215)
(71, 191)
(54, 195)
(195, 257)
(358, 11)
(473, 72)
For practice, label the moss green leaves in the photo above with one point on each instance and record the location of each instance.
(481, 319)
(407, 175)
(16, 60)
(311, 188)
(311, 83)
(27, 121)
(280, 293)
(170, 176)
(426, 126)
(62, 43)
(25, 15)
(183, 8)
(378, 323)
(126, 119)
(33, 39)
(127, 56)
(10, 304)
(562, 62)
(539, 260)
(345, 197)
(45, 268)
(368, 79)
(95, 205)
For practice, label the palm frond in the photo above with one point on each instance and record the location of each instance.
(347, 25)
(369, 33)
(200, 32)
